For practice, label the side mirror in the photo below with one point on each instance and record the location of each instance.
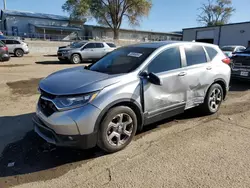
(152, 78)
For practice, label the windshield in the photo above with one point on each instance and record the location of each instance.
(123, 60)
(77, 44)
(228, 48)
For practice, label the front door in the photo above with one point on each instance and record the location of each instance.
(168, 99)
(88, 51)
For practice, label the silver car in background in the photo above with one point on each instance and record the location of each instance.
(105, 103)
(229, 50)
(83, 50)
(16, 47)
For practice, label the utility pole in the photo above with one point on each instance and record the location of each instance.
(4, 4)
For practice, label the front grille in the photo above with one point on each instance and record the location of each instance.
(47, 107)
(59, 54)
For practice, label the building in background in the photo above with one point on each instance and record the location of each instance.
(55, 27)
(229, 34)
(99, 32)
(38, 25)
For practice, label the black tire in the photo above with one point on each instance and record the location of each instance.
(75, 59)
(209, 108)
(19, 53)
(105, 129)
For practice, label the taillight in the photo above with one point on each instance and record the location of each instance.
(226, 60)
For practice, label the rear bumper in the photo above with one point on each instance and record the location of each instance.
(5, 57)
(237, 75)
(74, 141)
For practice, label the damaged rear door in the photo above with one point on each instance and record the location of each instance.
(199, 74)
(167, 99)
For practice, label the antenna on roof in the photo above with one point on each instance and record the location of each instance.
(4, 4)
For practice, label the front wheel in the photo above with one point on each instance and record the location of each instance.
(117, 129)
(213, 99)
(76, 59)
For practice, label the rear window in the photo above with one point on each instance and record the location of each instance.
(211, 52)
(2, 44)
(228, 48)
(195, 55)
(123, 60)
(111, 45)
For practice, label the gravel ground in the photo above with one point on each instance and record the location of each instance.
(189, 150)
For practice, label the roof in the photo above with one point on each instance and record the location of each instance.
(154, 44)
(248, 22)
(51, 27)
(34, 15)
(133, 30)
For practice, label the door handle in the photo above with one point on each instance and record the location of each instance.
(182, 74)
(209, 68)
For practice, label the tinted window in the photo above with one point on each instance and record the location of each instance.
(123, 60)
(77, 44)
(211, 52)
(9, 42)
(168, 60)
(90, 45)
(195, 55)
(111, 45)
(228, 48)
(99, 45)
(16, 42)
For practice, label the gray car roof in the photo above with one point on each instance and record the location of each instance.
(154, 44)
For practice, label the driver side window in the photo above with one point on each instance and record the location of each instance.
(169, 59)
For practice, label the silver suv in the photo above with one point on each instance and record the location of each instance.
(77, 52)
(106, 103)
(16, 47)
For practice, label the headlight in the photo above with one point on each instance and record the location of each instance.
(65, 52)
(74, 101)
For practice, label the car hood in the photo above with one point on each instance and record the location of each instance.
(76, 81)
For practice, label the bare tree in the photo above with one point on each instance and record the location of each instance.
(109, 12)
(215, 12)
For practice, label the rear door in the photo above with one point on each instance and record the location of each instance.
(99, 50)
(198, 75)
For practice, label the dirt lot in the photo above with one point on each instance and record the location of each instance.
(189, 150)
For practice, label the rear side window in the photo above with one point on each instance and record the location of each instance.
(111, 45)
(16, 42)
(211, 52)
(195, 55)
(2, 44)
(168, 60)
(99, 45)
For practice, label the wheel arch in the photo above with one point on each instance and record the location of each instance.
(223, 84)
(134, 105)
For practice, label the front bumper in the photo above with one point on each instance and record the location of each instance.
(61, 126)
(74, 141)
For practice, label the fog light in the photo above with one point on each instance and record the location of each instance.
(70, 138)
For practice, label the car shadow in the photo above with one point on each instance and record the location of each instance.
(239, 85)
(32, 154)
(50, 55)
(52, 62)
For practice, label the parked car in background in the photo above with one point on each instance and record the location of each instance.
(241, 64)
(16, 47)
(85, 51)
(70, 45)
(229, 50)
(105, 103)
(4, 54)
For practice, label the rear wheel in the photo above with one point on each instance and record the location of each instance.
(213, 99)
(75, 59)
(117, 129)
(19, 53)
